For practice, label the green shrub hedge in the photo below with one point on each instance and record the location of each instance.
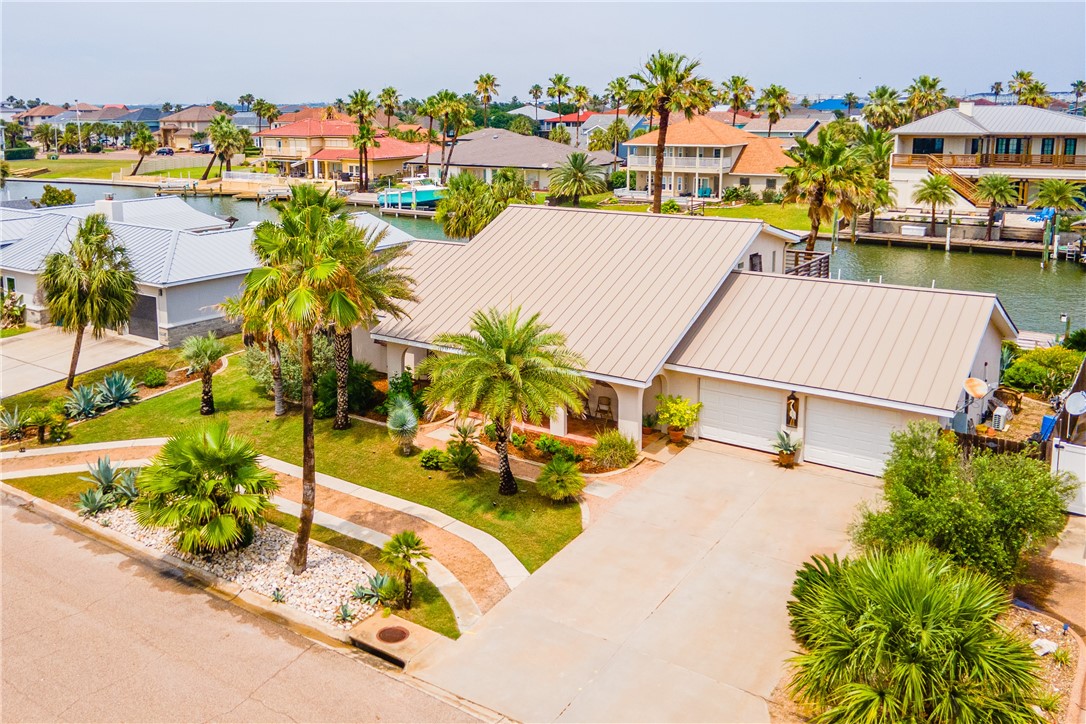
(22, 153)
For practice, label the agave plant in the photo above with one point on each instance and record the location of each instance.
(93, 502)
(116, 390)
(13, 423)
(102, 475)
(403, 423)
(380, 589)
(344, 614)
(125, 489)
(82, 403)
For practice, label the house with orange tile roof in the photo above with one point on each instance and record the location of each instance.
(703, 157)
(325, 113)
(31, 117)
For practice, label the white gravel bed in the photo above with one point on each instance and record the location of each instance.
(262, 567)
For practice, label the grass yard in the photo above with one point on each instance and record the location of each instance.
(188, 172)
(533, 527)
(13, 331)
(786, 216)
(102, 168)
(63, 489)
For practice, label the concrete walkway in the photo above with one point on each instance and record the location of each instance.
(670, 607)
(43, 356)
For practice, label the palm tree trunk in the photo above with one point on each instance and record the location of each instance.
(300, 554)
(991, 221)
(277, 377)
(408, 589)
(815, 224)
(41, 434)
(507, 484)
(444, 137)
(207, 397)
(429, 135)
(342, 347)
(852, 229)
(366, 164)
(452, 147)
(208, 169)
(486, 120)
(932, 229)
(75, 358)
(136, 170)
(658, 182)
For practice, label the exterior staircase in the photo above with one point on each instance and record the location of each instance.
(966, 188)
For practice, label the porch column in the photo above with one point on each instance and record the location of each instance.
(627, 175)
(394, 358)
(558, 422)
(672, 189)
(630, 404)
(413, 357)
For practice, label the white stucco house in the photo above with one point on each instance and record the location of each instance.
(669, 304)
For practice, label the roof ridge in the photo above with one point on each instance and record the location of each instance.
(683, 217)
(857, 282)
(167, 264)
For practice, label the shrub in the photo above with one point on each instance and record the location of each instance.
(323, 410)
(19, 153)
(618, 180)
(1076, 340)
(671, 206)
(403, 385)
(987, 512)
(403, 423)
(360, 390)
(112, 487)
(82, 403)
(14, 310)
(259, 368)
(613, 450)
(462, 452)
(13, 423)
(58, 429)
(1046, 370)
(116, 390)
(519, 441)
(379, 589)
(560, 479)
(431, 459)
(52, 196)
(676, 411)
(490, 432)
(552, 446)
(155, 377)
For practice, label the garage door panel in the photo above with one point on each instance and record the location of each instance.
(849, 435)
(144, 319)
(740, 414)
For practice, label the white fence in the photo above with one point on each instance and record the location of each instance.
(1070, 458)
(154, 164)
(251, 176)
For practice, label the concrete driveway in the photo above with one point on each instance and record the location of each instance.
(670, 607)
(42, 357)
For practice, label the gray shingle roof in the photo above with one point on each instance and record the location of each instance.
(995, 120)
(499, 148)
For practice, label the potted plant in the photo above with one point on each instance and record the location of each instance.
(649, 423)
(786, 449)
(678, 413)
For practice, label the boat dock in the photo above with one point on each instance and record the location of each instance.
(1014, 248)
(371, 200)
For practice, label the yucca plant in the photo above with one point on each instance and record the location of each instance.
(403, 423)
(116, 390)
(82, 403)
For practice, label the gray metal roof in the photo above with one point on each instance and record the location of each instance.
(394, 235)
(531, 111)
(16, 223)
(624, 288)
(166, 212)
(499, 148)
(789, 124)
(995, 120)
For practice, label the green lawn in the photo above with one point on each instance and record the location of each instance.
(532, 527)
(100, 168)
(786, 216)
(13, 331)
(193, 172)
(430, 607)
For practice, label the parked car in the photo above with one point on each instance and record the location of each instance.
(202, 148)
(164, 151)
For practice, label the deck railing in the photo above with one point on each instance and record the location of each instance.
(803, 263)
(990, 160)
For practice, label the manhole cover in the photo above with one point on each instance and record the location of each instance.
(392, 634)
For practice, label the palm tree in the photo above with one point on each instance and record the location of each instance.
(258, 328)
(1059, 195)
(877, 193)
(405, 552)
(444, 102)
(998, 190)
(577, 177)
(43, 134)
(536, 92)
(618, 90)
(925, 96)
(5, 171)
(875, 147)
(271, 114)
(364, 140)
(670, 84)
(1019, 81)
(827, 174)
(997, 90)
(224, 137)
(92, 284)
(206, 485)
(143, 143)
(581, 98)
(486, 87)
(737, 92)
(937, 191)
(883, 110)
(851, 100)
(559, 86)
(363, 108)
(201, 354)
(1035, 94)
(389, 100)
(456, 114)
(1079, 89)
(246, 100)
(260, 108)
(774, 102)
(509, 370)
(560, 134)
(907, 635)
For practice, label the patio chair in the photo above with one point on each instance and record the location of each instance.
(603, 408)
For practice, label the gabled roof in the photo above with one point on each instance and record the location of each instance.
(46, 110)
(193, 114)
(800, 126)
(141, 115)
(903, 345)
(995, 120)
(700, 131)
(530, 111)
(389, 148)
(310, 114)
(583, 116)
(596, 276)
(167, 212)
(762, 157)
(499, 148)
(81, 107)
(311, 128)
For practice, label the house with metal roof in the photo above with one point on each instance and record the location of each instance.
(1028, 144)
(715, 310)
(540, 114)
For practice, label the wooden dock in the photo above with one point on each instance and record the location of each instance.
(1014, 248)
(413, 213)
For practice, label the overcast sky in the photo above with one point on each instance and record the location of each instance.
(189, 52)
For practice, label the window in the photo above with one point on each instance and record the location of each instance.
(744, 181)
(974, 146)
(1048, 146)
(716, 153)
(739, 266)
(927, 145)
(1070, 146)
(10, 283)
(771, 183)
(773, 262)
(1011, 146)
(756, 262)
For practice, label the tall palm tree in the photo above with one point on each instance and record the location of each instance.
(389, 100)
(1019, 81)
(91, 284)
(362, 106)
(207, 485)
(926, 95)
(403, 553)
(581, 98)
(775, 103)
(456, 115)
(428, 108)
(997, 90)
(43, 134)
(827, 174)
(937, 191)
(536, 92)
(223, 135)
(246, 100)
(875, 147)
(445, 103)
(1079, 89)
(509, 370)
(737, 92)
(559, 86)
(577, 176)
(271, 114)
(144, 144)
(486, 87)
(851, 100)
(1035, 94)
(998, 190)
(365, 139)
(670, 84)
(883, 110)
(201, 354)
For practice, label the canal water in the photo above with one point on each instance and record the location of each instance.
(1034, 297)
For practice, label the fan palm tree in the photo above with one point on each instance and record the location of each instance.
(577, 176)
(1019, 81)
(207, 486)
(1035, 94)
(144, 144)
(926, 95)
(445, 103)
(224, 137)
(877, 193)
(364, 140)
(581, 98)
(827, 174)
(260, 107)
(201, 354)
(998, 190)
(997, 90)
(535, 93)
(429, 108)
(246, 100)
(1079, 89)
(362, 106)
(91, 284)
(508, 369)
(43, 134)
(851, 101)
(670, 84)
(272, 113)
(936, 191)
(774, 102)
(389, 100)
(486, 87)
(559, 86)
(908, 636)
(456, 115)
(883, 110)
(405, 552)
(737, 92)
(560, 134)
(875, 147)
(618, 90)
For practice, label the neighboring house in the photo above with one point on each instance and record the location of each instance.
(574, 121)
(248, 121)
(1028, 144)
(387, 159)
(147, 116)
(724, 115)
(603, 120)
(489, 150)
(9, 112)
(31, 117)
(786, 128)
(703, 157)
(84, 107)
(177, 129)
(311, 114)
(855, 361)
(832, 105)
(536, 113)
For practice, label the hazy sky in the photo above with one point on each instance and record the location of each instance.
(196, 52)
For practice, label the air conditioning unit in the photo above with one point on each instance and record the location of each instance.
(1001, 417)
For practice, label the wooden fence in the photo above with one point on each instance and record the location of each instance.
(972, 443)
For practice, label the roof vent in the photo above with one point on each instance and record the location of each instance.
(966, 107)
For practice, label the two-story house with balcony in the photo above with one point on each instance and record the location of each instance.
(1028, 144)
(177, 129)
(703, 157)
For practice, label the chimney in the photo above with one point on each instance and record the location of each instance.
(112, 210)
(966, 107)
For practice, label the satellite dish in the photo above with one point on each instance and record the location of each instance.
(1076, 403)
(976, 387)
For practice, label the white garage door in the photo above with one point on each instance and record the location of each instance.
(740, 414)
(849, 435)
